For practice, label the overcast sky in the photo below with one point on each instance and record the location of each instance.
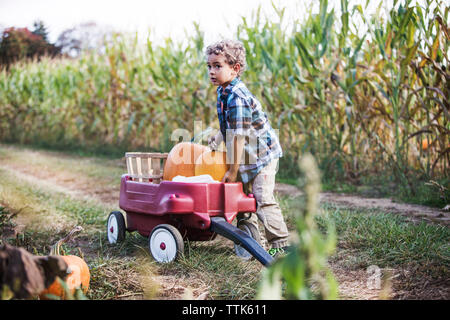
(164, 17)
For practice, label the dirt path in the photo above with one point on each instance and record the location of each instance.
(82, 187)
(412, 212)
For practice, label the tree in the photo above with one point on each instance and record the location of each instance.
(40, 29)
(20, 43)
(86, 36)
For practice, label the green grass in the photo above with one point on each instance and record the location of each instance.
(291, 181)
(42, 205)
(126, 270)
(123, 270)
(384, 187)
(106, 167)
(49, 215)
(6, 218)
(382, 238)
(418, 252)
(222, 272)
(388, 240)
(377, 186)
(82, 151)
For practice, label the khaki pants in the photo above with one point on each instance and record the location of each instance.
(268, 210)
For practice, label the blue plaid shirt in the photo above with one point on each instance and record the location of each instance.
(240, 113)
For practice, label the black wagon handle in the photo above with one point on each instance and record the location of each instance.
(220, 226)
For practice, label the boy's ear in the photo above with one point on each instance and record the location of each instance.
(237, 67)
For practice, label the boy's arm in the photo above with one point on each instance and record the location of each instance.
(240, 117)
(238, 150)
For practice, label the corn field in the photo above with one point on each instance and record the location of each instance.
(363, 105)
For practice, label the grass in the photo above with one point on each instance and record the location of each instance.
(47, 216)
(385, 239)
(418, 253)
(95, 165)
(47, 208)
(5, 217)
(372, 237)
(43, 215)
(80, 151)
(426, 192)
(226, 276)
(114, 271)
(121, 271)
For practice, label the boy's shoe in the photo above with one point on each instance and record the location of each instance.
(277, 252)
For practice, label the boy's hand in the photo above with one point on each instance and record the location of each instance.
(214, 141)
(230, 176)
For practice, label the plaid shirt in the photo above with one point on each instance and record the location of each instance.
(240, 113)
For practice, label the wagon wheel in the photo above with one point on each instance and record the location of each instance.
(252, 231)
(115, 228)
(166, 243)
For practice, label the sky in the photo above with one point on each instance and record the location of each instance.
(164, 18)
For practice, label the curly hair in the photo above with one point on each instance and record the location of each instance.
(233, 51)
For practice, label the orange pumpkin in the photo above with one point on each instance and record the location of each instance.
(78, 277)
(425, 144)
(78, 274)
(213, 163)
(181, 160)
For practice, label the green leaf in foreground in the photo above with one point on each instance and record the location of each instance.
(303, 272)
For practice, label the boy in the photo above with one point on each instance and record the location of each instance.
(246, 131)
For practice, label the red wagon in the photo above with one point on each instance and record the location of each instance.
(169, 212)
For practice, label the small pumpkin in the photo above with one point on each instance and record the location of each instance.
(345, 148)
(78, 274)
(425, 144)
(213, 163)
(181, 160)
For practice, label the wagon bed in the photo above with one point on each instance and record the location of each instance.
(187, 206)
